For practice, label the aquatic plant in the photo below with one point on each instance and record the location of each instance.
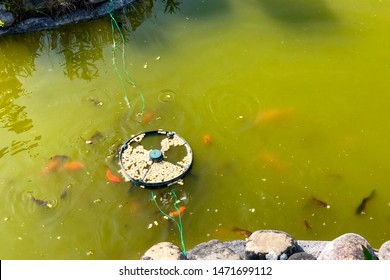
(1, 23)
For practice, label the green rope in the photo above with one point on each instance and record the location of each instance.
(178, 224)
(115, 26)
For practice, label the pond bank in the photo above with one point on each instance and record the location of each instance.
(42, 23)
(273, 245)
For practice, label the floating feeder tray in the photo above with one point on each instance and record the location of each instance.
(155, 158)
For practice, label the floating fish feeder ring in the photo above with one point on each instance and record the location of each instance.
(155, 158)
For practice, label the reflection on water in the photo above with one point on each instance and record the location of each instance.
(16, 64)
(284, 126)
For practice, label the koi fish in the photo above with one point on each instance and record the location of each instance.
(111, 177)
(274, 115)
(54, 164)
(307, 225)
(243, 232)
(362, 206)
(178, 212)
(147, 117)
(272, 160)
(207, 139)
(320, 202)
(73, 165)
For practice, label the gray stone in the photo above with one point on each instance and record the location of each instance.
(7, 19)
(312, 247)
(164, 251)
(384, 251)
(237, 246)
(269, 245)
(302, 256)
(346, 247)
(212, 250)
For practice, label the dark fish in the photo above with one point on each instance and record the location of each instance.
(362, 206)
(307, 225)
(320, 202)
(42, 203)
(243, 232)
(95, 137)
(60, 158)
(95, 101)
(65, 192)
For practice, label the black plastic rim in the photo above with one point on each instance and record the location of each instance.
(154, 160)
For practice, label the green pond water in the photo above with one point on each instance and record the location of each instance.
(280, 101)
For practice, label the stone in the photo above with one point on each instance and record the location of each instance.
(7, 19)
(237, 246)
(270, 245)
(346, 247)
(302, 256)
(212, 250)
(34, 24)
(164, 251)
(384, 251)
(312, 247)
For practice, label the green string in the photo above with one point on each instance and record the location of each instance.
(178, 224)
(115, 26)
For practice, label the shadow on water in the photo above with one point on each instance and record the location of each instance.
(298, 12)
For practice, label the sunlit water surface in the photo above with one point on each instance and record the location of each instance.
(280, 103)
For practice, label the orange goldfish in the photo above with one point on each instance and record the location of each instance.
(272, 160)
(207, 139)
(55, 163)
(147, 117)
(111, 177)
(51, 166)
(178, 212)
(72, 165)
(274, 115)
